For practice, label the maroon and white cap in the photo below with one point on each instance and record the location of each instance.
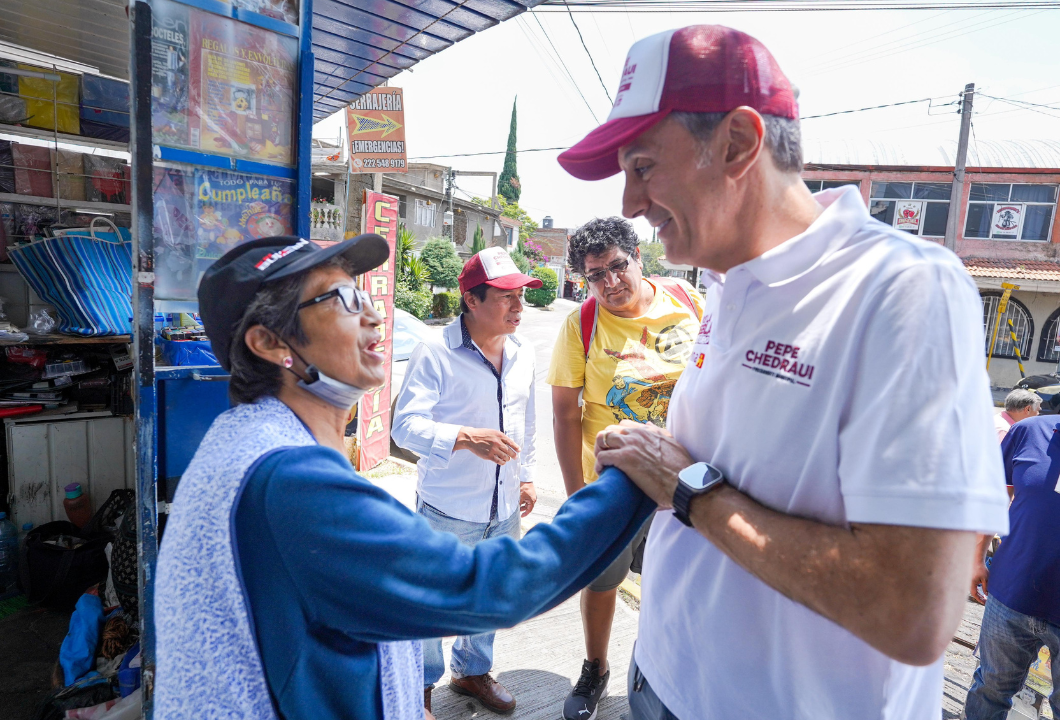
(495, 267)
(699, 68)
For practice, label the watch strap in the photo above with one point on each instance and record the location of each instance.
(683, 495)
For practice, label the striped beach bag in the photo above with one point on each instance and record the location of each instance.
(86, 275)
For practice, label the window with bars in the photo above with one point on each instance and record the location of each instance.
(1010, 211)
(1021, 323)
(819, 185)
(426, 213)
(1048, 345)
(918, 208)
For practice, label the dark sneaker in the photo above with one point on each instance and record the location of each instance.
(587, 693)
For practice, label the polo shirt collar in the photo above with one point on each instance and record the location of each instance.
(844, 214)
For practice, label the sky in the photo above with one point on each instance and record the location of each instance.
(460, 100)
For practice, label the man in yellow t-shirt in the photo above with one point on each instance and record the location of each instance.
(641, 335)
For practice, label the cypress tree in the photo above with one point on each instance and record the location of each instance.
(509, 186)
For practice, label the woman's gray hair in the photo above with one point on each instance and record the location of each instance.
(783, 136)
(597, 237)
(1020, 399)
(276, 308)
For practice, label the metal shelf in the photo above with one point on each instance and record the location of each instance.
(56, 339)
(40, 134)
(65, 203)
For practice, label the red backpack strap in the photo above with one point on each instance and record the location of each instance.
(589, 311)
(679, 291)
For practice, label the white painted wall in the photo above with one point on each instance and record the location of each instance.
(1041, 304)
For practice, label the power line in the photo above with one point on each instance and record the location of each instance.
(697, 6)
(548, 61)
(477, 154)
(590, 55)
(808, 117)
(569, 74)
(874, 107)
(1022, 102)
(1024, 107)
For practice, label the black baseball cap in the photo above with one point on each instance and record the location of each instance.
(230, 284)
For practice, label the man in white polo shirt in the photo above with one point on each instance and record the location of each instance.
(818, 567)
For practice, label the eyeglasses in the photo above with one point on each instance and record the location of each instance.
(353, 299)
(615, 267)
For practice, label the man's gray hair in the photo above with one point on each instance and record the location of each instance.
(1020, 399)
(783, 136)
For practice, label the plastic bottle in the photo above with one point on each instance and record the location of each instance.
(77, 505)
(8, 552)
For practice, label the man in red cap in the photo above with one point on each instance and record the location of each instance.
(829, 454)
(467, 409)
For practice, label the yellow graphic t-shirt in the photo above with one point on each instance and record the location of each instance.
(632, 368)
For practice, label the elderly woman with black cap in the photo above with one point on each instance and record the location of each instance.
(288, 585)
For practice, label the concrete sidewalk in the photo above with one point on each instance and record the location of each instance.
(540, 660)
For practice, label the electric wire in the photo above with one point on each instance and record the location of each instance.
(593, 62)
(565, 68)
(697, 6)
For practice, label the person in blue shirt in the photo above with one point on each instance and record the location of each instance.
(1023, 584)
(288, 585)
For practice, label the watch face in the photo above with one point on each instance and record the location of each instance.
(699, 480)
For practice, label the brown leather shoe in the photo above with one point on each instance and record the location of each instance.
(486, 690)
(427, 698)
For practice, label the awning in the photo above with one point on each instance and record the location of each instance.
(358, 44)
(361, 43)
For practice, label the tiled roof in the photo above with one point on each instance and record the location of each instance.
(1013, 269)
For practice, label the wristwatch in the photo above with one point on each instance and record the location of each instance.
(694, 480)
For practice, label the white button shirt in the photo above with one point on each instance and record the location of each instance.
(448, 386)
(838, 377)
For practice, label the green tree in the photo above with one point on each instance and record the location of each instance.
(478, 244)
(527, 225)
(521, 262)
(443, 264)
(544, 295)
(649, 255)
(509, 186)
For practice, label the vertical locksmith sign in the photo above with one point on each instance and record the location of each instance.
(376, 126)
(380, 216)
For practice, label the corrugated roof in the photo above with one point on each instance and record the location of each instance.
(1040, 154)
(1013, 269)
(92, 32)
(360, 43)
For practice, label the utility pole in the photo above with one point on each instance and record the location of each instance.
(953, 219)
(447, 222)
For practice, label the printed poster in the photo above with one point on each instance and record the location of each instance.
(380, 216)
(242, 90)
(221, 86)
(286, 10)
(232, 208)
(907, 216)
(1006, 221)
(176, 274)
(376, 126)
(170, 38)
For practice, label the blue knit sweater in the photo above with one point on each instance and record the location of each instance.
(332, 565)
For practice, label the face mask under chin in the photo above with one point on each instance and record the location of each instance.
(334, 392)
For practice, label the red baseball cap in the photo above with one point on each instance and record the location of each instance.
(699, 68)
(495, 267)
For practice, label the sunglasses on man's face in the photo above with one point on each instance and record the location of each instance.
(615, 267)
(353, 299)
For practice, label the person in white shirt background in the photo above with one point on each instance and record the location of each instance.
(466, 408)
(819, 565)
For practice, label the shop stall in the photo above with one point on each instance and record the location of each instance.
(140, 141)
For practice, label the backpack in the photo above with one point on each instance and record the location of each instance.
(590, 310)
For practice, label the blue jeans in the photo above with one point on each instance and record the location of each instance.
(1008, 643)
(472, 654)
(644, 704)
